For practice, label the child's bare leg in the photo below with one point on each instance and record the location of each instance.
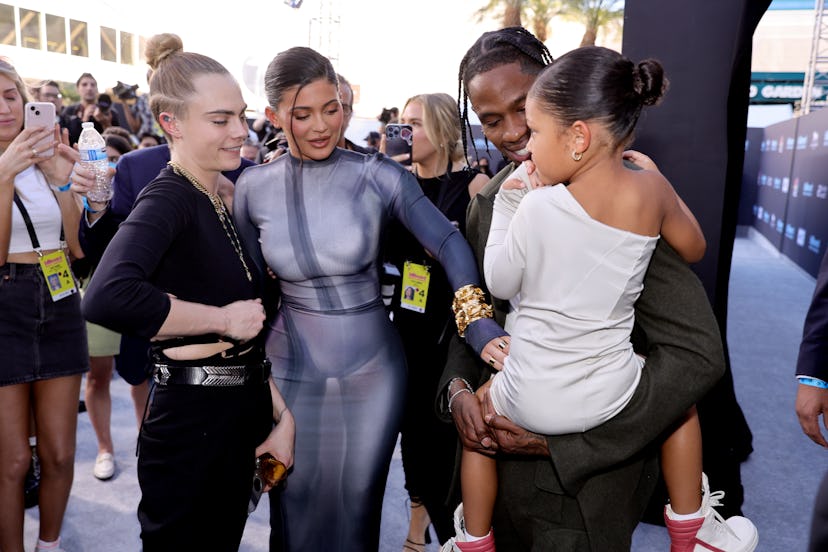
(691, 521)
(681, 463)
(478, 478)
(478, 482)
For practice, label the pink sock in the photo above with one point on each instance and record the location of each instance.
(486, 544)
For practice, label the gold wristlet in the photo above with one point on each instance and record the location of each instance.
(469, 305)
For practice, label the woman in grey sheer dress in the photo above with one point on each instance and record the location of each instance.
(318, 215)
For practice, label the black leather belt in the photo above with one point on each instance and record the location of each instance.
(213, 376)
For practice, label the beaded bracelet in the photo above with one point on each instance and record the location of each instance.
(464, 380)
(455, 395)
(469, 305)
(451, 396)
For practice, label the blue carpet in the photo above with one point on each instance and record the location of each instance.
(768, 299)
(769, 296)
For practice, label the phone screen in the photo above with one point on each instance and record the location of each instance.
(398, 141)
(41, 114)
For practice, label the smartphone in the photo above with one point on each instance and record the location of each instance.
(41, 114)
(398, 140)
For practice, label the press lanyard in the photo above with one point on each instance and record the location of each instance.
(55, 266)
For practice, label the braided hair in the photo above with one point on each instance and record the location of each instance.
(493, 49)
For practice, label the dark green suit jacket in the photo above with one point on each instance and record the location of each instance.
(590, 494)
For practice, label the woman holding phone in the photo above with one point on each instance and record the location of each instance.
(428, 444)
(42, 333)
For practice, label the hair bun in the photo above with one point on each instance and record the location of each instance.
(162, 46)
(649, 81)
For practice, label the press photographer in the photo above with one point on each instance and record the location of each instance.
(92, 107)
(132, 108)
(125, 92)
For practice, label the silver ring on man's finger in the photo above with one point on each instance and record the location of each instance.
(34, 152)
(502, 345)
(491, 360)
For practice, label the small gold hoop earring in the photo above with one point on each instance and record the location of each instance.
(577, 156)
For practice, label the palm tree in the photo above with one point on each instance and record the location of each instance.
(509, 11)
(540, 13)
(594, 14)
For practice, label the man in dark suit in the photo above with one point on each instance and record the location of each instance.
(584, 491)
(812, 395)
(134, 171)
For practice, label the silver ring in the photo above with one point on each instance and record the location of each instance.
(491, 360)
(34, 152)
(501, 345)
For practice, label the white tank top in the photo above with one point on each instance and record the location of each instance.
(43, 209)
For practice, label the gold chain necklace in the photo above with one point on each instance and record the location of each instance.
(221, 211)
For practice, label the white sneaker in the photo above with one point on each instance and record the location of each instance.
(104, 466)
(710, 532)
(458, 542)
(459, 531)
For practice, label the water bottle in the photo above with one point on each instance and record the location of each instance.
(92, 149)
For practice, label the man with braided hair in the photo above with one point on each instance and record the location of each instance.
(584, 491)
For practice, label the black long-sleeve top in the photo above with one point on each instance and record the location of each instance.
(171, 243)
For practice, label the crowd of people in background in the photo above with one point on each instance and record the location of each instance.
(286, 335)
(123, 111)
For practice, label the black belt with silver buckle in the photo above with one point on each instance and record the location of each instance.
(212, 376)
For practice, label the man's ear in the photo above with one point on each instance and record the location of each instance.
(169, 123)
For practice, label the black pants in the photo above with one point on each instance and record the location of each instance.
(428, 445)
(196, 462)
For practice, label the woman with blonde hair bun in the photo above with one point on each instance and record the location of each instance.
(177, 273)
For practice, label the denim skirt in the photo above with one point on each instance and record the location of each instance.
(39, 338)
